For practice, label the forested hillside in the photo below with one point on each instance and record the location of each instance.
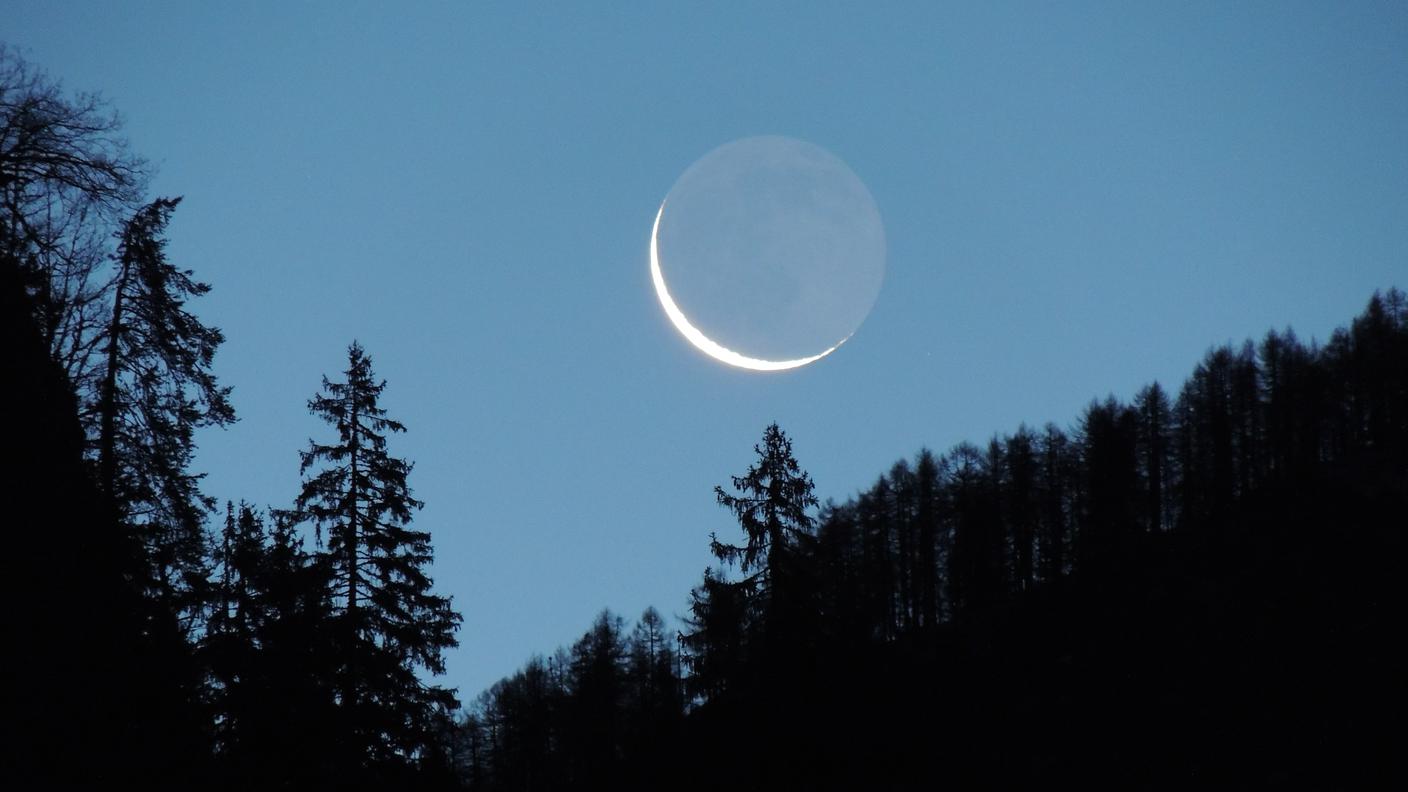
(1186, 590)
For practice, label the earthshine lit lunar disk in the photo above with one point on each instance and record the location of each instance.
(697, 338)
(773, 253)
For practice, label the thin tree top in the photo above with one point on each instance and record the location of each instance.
(772, 503)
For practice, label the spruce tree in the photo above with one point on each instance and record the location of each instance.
(266, 651)
(773, 503)
(386, 622)
(157, 389)
(229, 647)
(717, 641)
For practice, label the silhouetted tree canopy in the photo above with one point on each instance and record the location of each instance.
(385, 621)
(157, 389)
(67, 181)
(111, 310)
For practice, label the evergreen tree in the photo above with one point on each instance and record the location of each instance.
(157, 389)
(267, 650)
(386, 623)
(717, 641)
(772, 503)
(230, 648)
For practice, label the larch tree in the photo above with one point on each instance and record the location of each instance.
(651, 671)
(975, 559)
(596, 707)
(1021, 506)
(901, 516)
(877, 563)
(1053, 481)
(1110, 491)
(387, 623)
(928, 499)
(1155, 417)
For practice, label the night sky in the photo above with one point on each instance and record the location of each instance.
(1078, 199)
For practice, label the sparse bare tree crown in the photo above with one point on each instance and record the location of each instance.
(67, 183)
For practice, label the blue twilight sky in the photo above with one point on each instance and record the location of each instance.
(1078, 198)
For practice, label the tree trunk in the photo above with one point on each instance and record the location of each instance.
(107, 437)
(350, 693)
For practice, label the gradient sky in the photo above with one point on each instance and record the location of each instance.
(1078, 199)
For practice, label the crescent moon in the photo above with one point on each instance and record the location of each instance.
(696, 337)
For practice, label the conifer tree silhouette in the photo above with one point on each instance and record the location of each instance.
(772, 502)
(158, 387)
(386, 621)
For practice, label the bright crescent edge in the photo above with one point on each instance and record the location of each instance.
(697, 338)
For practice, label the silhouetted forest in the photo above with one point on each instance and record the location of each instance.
(156, 644)
(1187, 590)
(1197, 588)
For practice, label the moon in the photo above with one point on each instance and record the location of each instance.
(774, 250)
(696, 337)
